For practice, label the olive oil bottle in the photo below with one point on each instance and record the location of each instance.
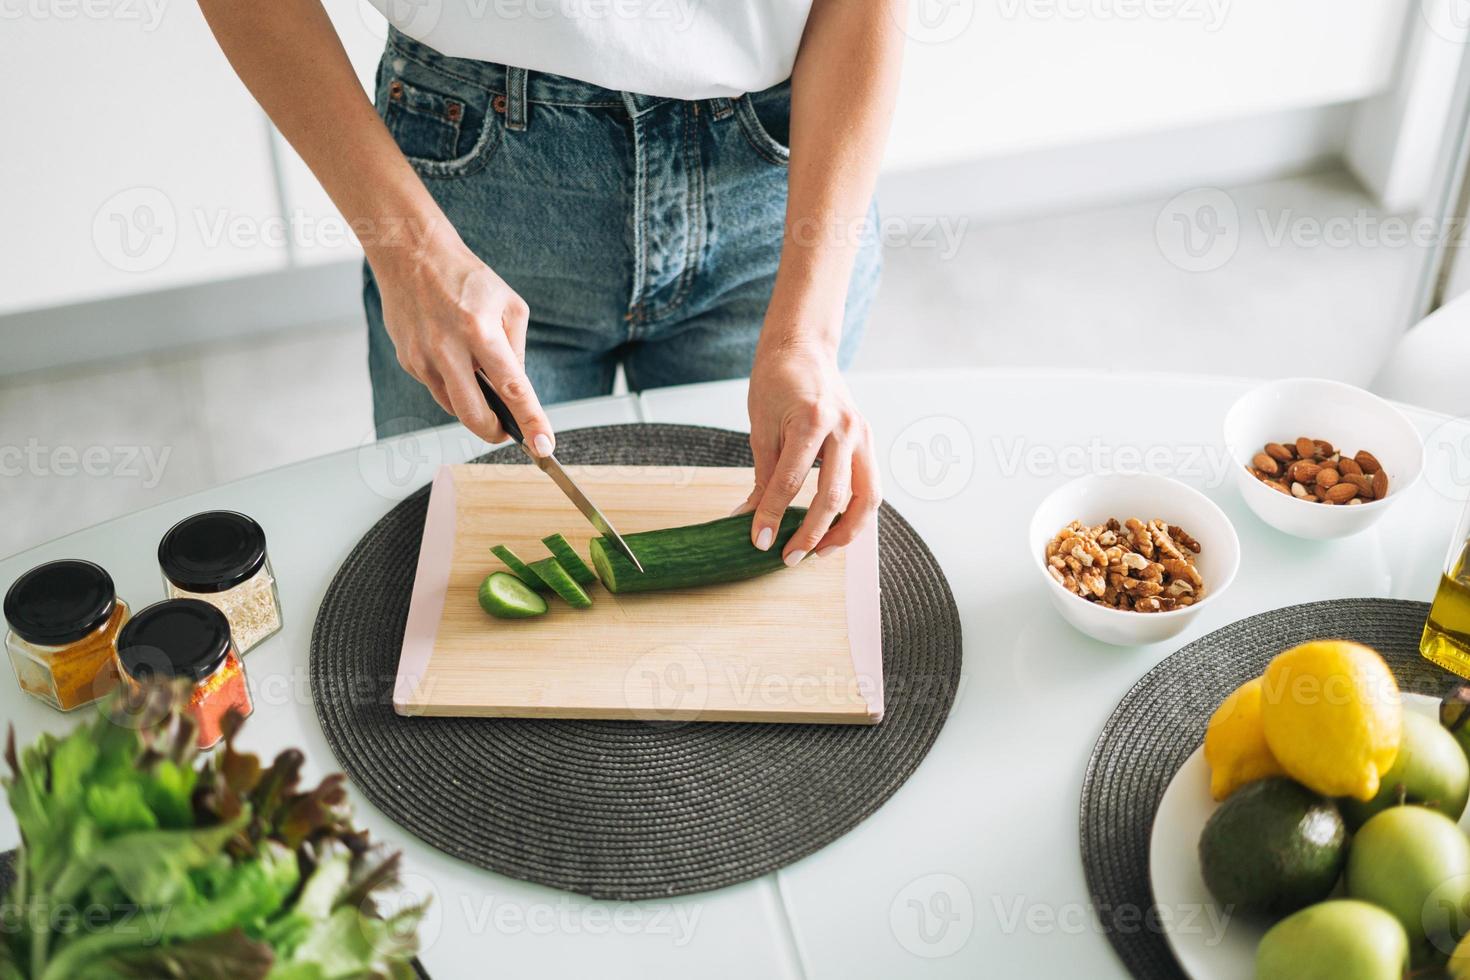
(1446, 639)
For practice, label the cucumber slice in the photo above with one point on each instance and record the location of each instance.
(561, 549)
(562, 583)
(504, 596)
(685, 557)
(518, 568)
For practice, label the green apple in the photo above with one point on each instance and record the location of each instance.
(1431, 770)
(1337, 940)
(1454, 714)
(1415, 863)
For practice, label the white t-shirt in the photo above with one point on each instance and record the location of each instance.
(683, 49)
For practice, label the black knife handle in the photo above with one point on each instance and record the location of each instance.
(500, 408)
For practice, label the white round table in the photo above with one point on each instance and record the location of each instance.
(972, 868)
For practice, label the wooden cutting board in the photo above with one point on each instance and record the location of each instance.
(797, 645)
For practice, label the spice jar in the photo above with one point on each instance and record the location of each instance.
(64, 617)
(220, 557)
(187, 639)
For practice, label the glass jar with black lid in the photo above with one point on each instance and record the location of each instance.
(187, 640)
(64, 617)
(220, 557)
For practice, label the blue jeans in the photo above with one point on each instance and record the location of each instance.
(640, 231)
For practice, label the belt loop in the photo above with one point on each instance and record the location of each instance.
(722, 108)
(515, 99)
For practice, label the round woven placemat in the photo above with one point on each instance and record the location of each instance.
(1161, 721)
(624, 810)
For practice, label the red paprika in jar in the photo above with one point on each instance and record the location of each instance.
(187, 639)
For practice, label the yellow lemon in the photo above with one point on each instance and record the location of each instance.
(1235, 743)
(1332, 716)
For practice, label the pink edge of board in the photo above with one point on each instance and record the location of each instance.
(864, 626)
(430, 586)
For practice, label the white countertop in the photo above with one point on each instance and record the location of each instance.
(972, 868)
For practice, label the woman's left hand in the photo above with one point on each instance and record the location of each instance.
(800, 410)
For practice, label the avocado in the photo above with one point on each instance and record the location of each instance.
(1273, 847)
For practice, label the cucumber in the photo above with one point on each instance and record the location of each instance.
(699, 554)
(562, 550)
(504, 596)
(553, 574)
(519, 568)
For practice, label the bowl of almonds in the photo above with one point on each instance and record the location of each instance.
(1132, 558)
(1321, 459)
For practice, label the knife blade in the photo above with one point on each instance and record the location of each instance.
(552, 468)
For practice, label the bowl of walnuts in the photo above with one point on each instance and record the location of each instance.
(1320, 459)
(1131, 558)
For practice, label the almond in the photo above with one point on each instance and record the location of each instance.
(1349, 466)
(1306, 448)
(1326, 477)
(1266, 464)
(1367, 461)
(1341, 493)
(1277, 485)
(1304, 471)
(1324, 448)
(1299, 491)
(1363, 483)
(1380, 485)
(1279, 452)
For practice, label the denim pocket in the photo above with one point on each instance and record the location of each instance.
(765, 119)
(443, 125)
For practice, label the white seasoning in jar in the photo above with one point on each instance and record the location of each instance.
(220, 557)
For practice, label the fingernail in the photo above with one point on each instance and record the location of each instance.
(824, 552)
(794, 559)
(764, 539)
(542, 442)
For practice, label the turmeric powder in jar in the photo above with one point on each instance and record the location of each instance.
(64, 619)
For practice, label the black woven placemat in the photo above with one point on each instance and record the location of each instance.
(1161, 721)
(624, 810)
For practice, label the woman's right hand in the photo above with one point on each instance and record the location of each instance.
(447, 313)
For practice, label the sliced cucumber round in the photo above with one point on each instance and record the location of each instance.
(504, 596)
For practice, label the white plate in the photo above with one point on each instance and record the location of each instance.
(1209, 943)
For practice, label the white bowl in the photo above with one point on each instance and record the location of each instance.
(1094, 499)
(1349, 418)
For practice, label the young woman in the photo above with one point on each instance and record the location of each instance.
(547, 189)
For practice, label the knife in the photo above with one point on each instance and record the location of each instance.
(552, 468)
